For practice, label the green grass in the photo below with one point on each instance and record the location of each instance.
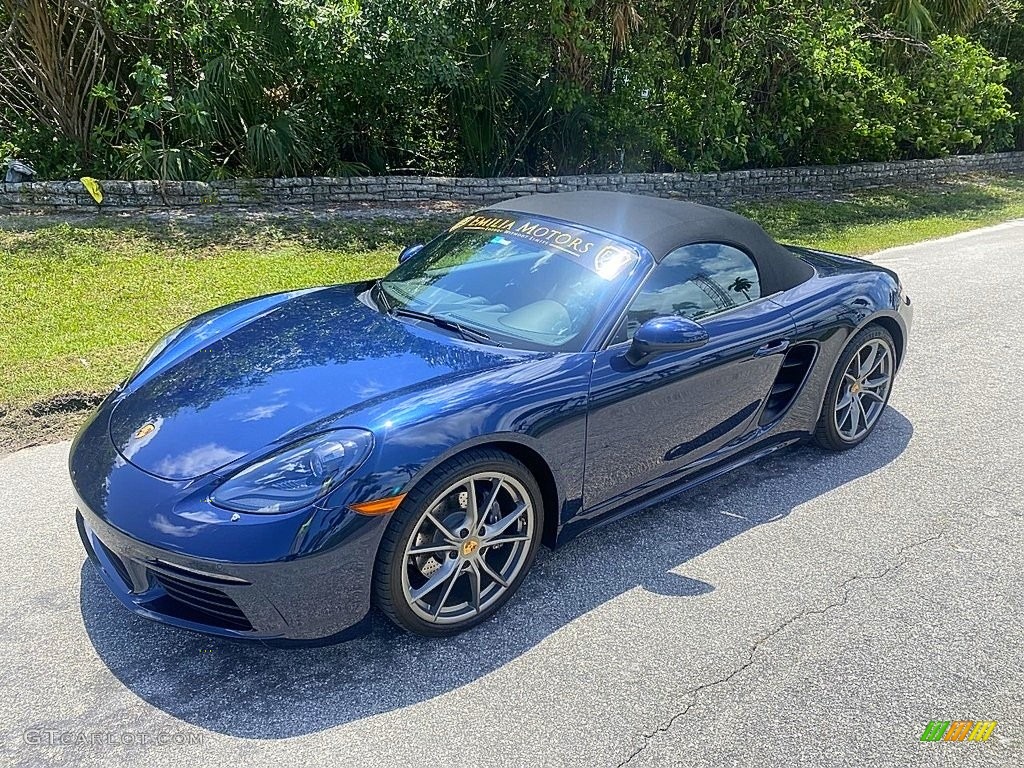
(82, 303)
(866, 222)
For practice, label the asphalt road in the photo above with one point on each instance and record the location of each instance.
(811, 609)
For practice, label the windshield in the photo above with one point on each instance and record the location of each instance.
(524, 281)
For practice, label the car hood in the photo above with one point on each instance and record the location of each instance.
(305, 362)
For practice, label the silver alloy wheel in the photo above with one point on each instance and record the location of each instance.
(468, 547)
(864, 390)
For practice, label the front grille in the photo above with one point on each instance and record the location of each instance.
(199, 602)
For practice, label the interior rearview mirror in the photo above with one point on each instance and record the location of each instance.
(665, 334)
(409, 251)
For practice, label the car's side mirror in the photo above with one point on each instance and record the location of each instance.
(409, 251)
(665, 334)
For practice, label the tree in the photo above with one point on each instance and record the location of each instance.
(53, 53)
(920, 18)
(741, 285)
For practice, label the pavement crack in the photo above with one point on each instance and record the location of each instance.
(844, 587)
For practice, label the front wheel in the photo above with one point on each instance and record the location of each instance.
(460, 544)
(858, 391)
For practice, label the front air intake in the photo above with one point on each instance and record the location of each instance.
(201, 603)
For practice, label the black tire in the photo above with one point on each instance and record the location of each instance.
(827, 432)
(389, 589)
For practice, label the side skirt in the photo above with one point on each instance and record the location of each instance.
(573, 530)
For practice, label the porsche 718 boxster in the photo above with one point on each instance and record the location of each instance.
(275, 468)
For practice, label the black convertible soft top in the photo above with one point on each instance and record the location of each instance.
(661, 225)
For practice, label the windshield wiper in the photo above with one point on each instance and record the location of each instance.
(470, 334)
(382, 296)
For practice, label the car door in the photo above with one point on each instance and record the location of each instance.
(647, 425)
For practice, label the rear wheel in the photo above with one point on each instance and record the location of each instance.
(859, 390)
(460, 544)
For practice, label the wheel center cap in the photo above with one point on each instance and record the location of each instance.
(855, 387)
(469, 547)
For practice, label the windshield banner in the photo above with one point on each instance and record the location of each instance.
(599, 254)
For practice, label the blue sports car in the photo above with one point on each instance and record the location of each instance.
(276, 467)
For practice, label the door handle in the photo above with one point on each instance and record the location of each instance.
(772, 347)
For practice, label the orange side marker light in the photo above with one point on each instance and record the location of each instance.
(378, 506)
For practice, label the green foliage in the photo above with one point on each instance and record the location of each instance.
(786, 89)
(212, 88)
(957, 101)
(239, 108)
(52, 155)
(829, 98)
(1002, 33)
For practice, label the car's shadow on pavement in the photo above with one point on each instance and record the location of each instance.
(251, 690)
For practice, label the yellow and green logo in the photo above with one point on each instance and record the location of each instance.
(958, 730)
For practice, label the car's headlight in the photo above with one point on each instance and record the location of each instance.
(154, 352)
(296, 476)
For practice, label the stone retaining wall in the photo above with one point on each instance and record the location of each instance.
(70, 196)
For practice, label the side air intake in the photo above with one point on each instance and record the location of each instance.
(790, 378)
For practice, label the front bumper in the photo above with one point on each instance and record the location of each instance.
(170, 556)
(308, 599)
